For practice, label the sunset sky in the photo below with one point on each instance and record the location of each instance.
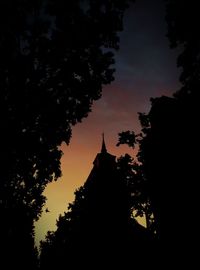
(145, 67)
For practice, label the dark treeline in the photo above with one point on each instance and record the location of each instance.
(54, 61)
(168, 145)
(55, 56)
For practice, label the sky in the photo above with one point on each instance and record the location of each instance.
(145, 68)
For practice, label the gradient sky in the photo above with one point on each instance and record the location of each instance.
(145, 67)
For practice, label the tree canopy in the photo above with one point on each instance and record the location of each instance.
(169, 141)
(55, 58)
(183, 26)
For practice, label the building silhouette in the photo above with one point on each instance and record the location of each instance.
(117, 237)
(98, 232)
(105, 187)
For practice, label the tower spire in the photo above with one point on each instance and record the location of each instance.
(103, 148)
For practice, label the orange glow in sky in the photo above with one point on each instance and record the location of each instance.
(78, 157)
(76, 165)
(145, 67)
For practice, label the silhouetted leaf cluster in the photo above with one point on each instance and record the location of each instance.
(127, 137)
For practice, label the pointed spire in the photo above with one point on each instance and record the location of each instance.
(103, 148)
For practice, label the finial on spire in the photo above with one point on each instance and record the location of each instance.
(103, 148)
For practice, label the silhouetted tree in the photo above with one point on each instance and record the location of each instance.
(137, 185)
(134, 173)
(170, 140)
(55, 57)
(183, 34)
(169, 174)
